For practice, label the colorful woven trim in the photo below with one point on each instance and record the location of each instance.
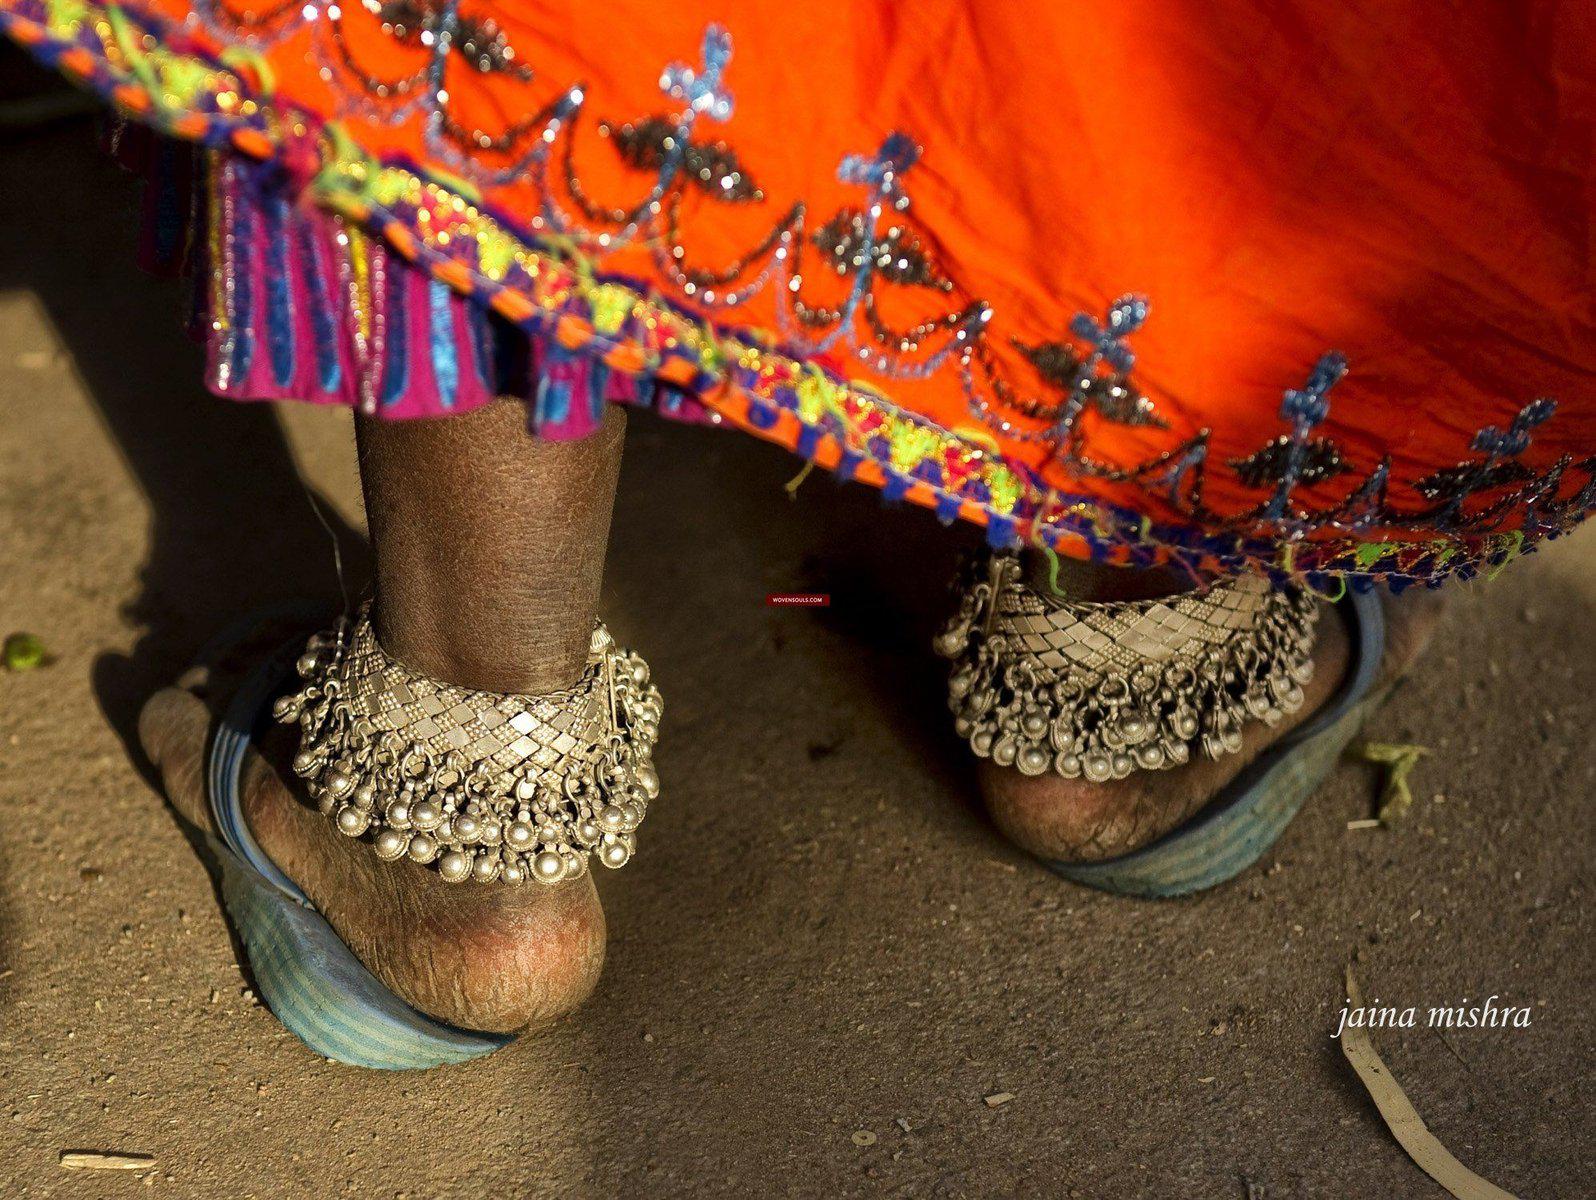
(298, 303)
(550, 285)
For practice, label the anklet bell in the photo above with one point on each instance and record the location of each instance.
(478, 785)
(1098, 690)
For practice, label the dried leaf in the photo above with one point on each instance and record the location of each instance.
(1398, 760)
(1403, 1119)
(97, 1160)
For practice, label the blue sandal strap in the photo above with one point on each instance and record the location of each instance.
(308, 977)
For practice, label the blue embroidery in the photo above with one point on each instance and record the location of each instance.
(329, 371)
(395, 318)
(1305, 408)
(279, 299)
(445, 363)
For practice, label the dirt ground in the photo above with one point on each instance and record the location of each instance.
(824, 961)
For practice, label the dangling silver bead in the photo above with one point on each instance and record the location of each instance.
(1004, 751)
(454, 865)
(548, 866)
(391, 844)
(1033, 760)
(648, 778)
(352, 821)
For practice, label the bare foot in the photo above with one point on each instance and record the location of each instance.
(1077, 821)
(486, 957)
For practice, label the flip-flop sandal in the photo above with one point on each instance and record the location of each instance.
(309, 979)
(1253, 810)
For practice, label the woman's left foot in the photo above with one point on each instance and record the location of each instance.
(1074, 820)
(495, 958)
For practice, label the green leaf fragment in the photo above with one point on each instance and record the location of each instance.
(1396, 797)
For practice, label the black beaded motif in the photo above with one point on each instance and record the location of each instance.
(1099, 364)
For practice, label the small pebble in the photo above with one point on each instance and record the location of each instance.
(863, 1137)
(999, 1099)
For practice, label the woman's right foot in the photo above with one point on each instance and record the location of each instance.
(1073, 820)
(493, 957)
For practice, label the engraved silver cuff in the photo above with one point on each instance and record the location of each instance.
(479, 785)
(1098, 690)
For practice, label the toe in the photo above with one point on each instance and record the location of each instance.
(173, 727)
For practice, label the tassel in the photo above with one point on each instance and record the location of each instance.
(237, 234)
(445, 363)
(395, 318)
(329, 371)
(279, 301)
(1000, 532)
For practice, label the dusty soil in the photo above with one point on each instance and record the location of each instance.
(824, 961)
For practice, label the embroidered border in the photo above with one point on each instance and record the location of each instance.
(551, 282)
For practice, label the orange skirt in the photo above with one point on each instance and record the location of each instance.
(1305, 289)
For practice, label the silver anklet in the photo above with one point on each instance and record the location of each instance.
(479, 785)
(1100, 690)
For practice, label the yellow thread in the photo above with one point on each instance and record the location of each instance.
(137, 60)
(1517, 540)
(243, 56)
(1335, 599)
(797, 481)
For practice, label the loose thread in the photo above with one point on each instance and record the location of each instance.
(797, 481)
(337, 548)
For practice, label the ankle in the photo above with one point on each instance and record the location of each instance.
(1098, 582)
(527, 655)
